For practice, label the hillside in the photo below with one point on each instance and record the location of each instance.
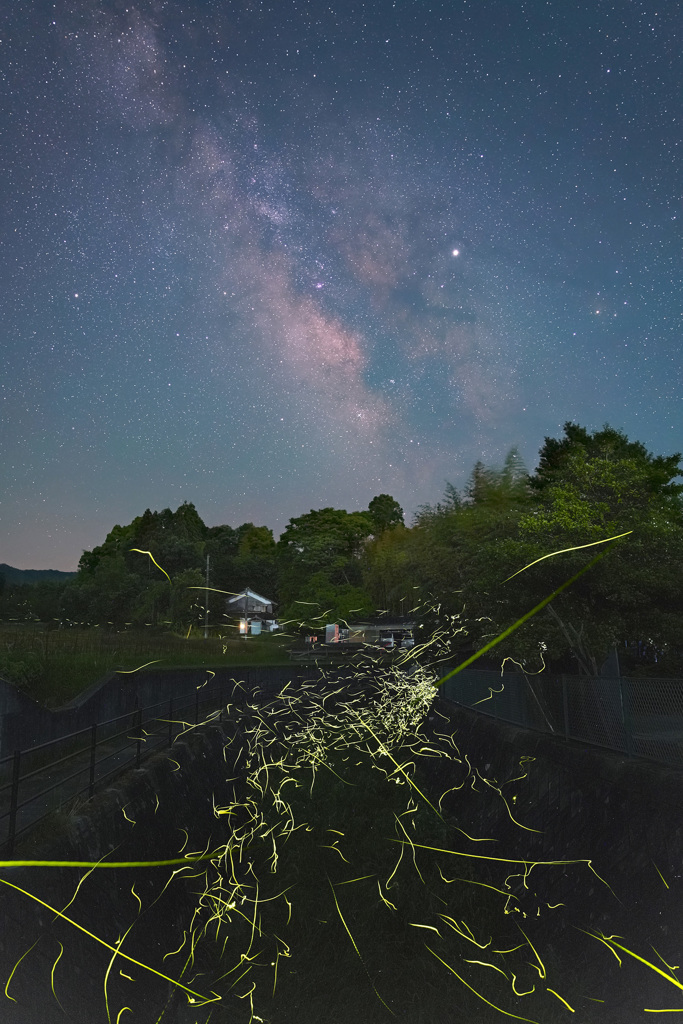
(24, 576)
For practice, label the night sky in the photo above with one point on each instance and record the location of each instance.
(274, 257)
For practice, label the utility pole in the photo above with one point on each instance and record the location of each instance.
(206, 601)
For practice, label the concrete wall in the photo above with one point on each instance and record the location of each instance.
(621, 811)
(12, 699)
(25, 724)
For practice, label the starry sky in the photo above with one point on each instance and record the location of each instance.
(268, 257)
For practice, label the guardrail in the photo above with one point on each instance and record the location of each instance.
(141, 734)
(639, 717)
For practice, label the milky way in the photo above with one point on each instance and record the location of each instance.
(274, 258)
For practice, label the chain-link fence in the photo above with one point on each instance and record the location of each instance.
(640, 717)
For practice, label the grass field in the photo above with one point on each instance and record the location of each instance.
(52, 666)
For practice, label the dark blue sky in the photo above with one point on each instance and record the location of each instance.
(228, 271)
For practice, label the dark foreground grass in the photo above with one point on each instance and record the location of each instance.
(347, 895)
(365, 907)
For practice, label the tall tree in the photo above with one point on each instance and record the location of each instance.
(255, 562)
(387, 569)
(221, 545)
(117, 584)
(186, 605)
(385, 513)
(104, 593)
(611, 445)
(587, 487)
(593, 486)
(321, 549)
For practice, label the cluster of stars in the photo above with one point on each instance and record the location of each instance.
(226, 231)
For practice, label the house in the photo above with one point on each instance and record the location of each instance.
(255, 612)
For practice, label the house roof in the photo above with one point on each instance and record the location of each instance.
(252, 595)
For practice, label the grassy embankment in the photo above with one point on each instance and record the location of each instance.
(53, 666)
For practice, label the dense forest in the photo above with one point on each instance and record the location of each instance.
(458, 562)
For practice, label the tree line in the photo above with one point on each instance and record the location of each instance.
(458, 562)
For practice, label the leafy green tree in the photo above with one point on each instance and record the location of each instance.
(426, 514)
(323, 601)
(41, 601)
(457, 544)
(176, 539)
(173, 553)
(499, 488)
(591, 487)
(118, 584)
(150, 606)
(330, 539)
(320, 548)
(104, 594)
(221, 545)
(385, 513)
(187, 523)
(117, 542)
(255, 562)
(658, 472)
(388, 569)
(583, 492)
(255, 541)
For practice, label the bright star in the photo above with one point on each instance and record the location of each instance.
(456, 252)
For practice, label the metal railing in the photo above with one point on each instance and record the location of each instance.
(639, 717)
(126, 740)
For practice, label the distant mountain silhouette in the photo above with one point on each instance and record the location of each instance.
(24, 576)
